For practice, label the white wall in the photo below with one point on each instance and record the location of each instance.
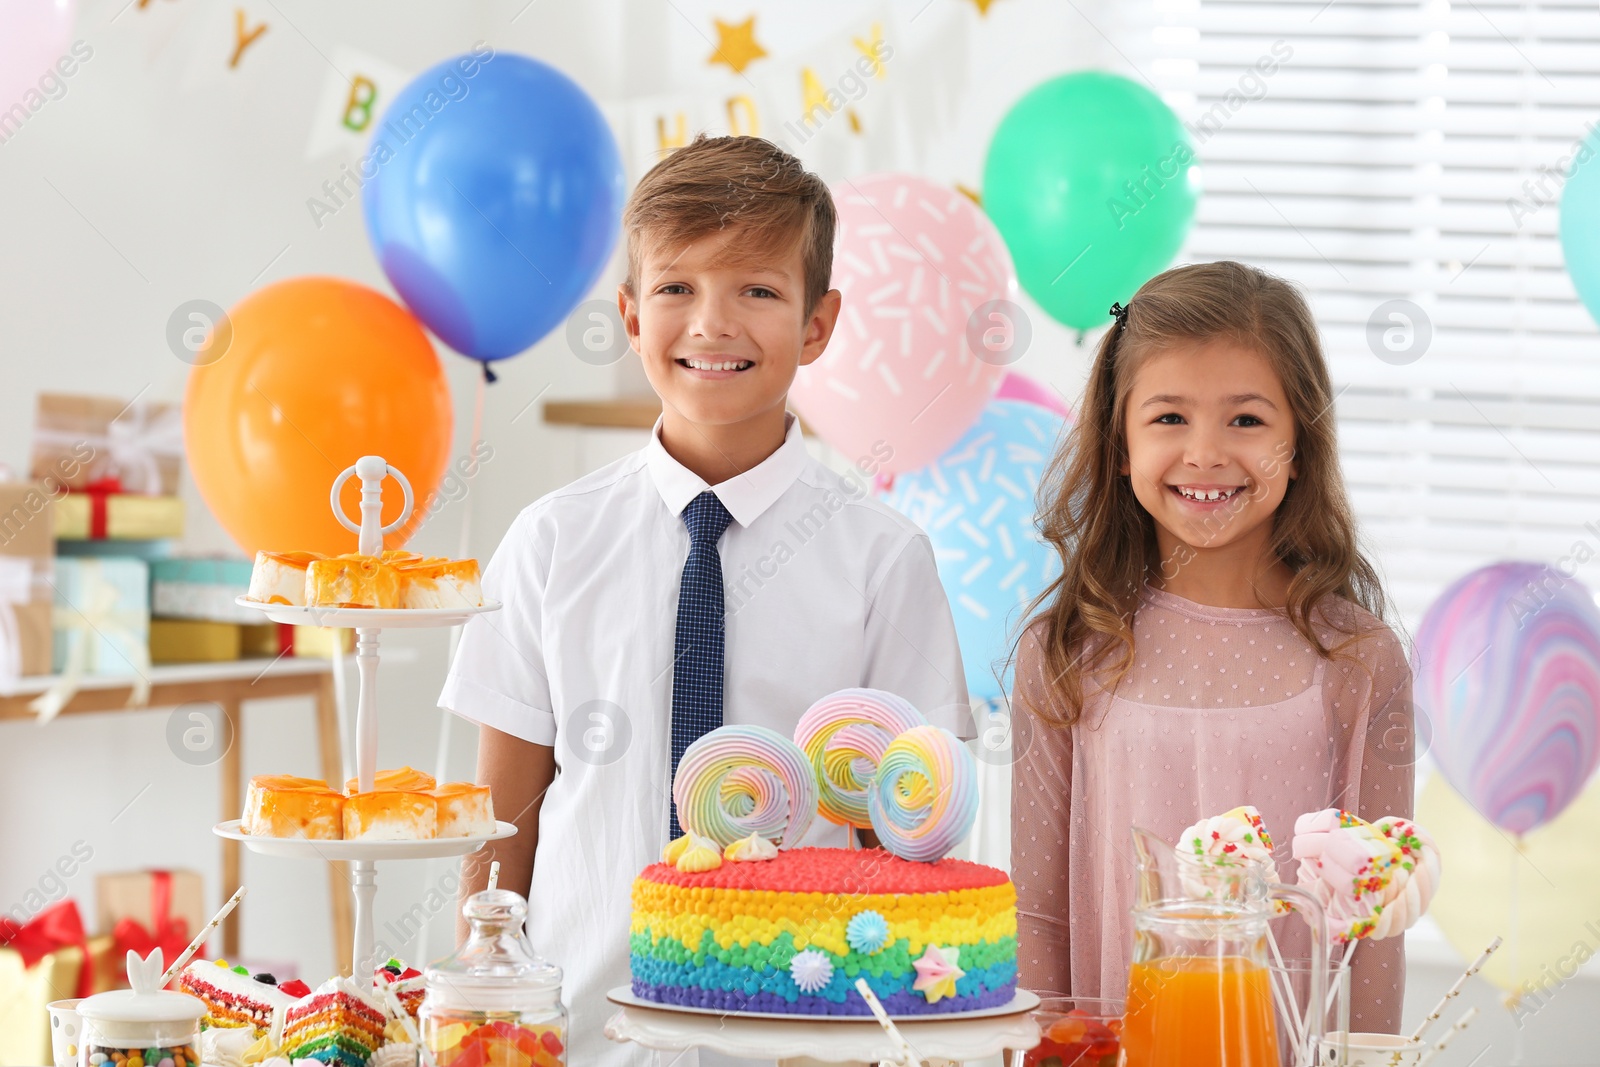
(160, 177)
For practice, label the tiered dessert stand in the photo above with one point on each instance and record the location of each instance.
(368, 623)
(812, 1041)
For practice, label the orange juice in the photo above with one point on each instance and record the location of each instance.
(1199, 1011)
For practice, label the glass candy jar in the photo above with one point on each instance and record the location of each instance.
(495, 1003)
(145, 1026)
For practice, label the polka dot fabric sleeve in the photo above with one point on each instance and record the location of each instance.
(1041, 793)
(1379, 685)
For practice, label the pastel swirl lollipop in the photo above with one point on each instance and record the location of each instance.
(1414, 879)
(1311, 832)
(844, 736)
(924, 799)
(741, 780)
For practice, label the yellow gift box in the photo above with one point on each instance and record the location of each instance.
(318, 641)
(24, 992)
(194, 641)
(128, 517)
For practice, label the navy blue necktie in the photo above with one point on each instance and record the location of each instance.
(697, 648)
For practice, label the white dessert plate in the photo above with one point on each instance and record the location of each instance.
(300, 848)
(367, 618)
(1023, 1001)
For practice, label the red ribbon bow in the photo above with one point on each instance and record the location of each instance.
(56, 927)
(100, 490)
(168, 933)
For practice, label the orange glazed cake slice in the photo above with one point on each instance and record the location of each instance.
(352, 581)
(390, 815)
(398, 779)
(281, 805)
(465, 810)
(280, 577)
(439, 583)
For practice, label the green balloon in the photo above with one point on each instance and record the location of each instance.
(1092, 182)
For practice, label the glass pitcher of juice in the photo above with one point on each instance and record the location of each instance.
(1199, 991)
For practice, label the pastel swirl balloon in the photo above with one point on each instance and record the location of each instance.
(741, 780)
(1413, 882)
(1507, 670)
(844, 736)
(924, 799)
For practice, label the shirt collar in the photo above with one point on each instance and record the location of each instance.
(745, 495)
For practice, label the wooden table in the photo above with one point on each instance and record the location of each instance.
(229, 686)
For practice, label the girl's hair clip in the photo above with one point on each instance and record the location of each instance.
(1120, 313)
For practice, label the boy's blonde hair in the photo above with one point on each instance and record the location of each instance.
(723, 183)
(1104, 536)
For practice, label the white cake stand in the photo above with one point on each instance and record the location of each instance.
(368, 623)
(853, 1041)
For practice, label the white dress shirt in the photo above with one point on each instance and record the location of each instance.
(825, 588)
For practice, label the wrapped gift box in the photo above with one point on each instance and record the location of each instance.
(319, 641)
(27, 538)
(265, 639)
(40, 961)
(143, 910)
(96, 516)
(79, 441)
(201, 588)
(102, 616)
(194, 641)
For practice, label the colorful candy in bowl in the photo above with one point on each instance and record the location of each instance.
(1076, 1032)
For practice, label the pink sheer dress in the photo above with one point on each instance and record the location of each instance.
(1222, 707)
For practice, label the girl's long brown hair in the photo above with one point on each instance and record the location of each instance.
(1105, 538)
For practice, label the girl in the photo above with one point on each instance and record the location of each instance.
(1215, 637)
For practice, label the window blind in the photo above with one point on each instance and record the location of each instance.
(1385, 151)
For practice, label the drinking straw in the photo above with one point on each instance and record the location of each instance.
(905, 1057)
(1455, 990)
(200, 939)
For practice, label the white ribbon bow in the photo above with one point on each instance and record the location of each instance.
(98, 616)
(133, 444)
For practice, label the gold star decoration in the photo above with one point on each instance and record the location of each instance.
(971, 194)
(982, 6)
(736, 45)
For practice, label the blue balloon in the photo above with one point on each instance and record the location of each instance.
(976, 503)
(496, 201)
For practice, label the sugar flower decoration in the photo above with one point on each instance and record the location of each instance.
(937, 972)
(811, 970)
(867, 932)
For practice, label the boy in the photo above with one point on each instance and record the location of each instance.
(719, 575)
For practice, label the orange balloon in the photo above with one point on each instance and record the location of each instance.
(318, 373)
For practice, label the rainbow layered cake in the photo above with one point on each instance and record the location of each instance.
(791, 930)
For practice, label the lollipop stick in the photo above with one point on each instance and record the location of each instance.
(906, 1058)
(494, 874)
(200, 939)
(1455, 990)
(1286, 983)
(1460, 1025)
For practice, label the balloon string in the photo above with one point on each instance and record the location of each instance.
(1516, 944)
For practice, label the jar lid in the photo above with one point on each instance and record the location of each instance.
(127, 1006)
(496, 969)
